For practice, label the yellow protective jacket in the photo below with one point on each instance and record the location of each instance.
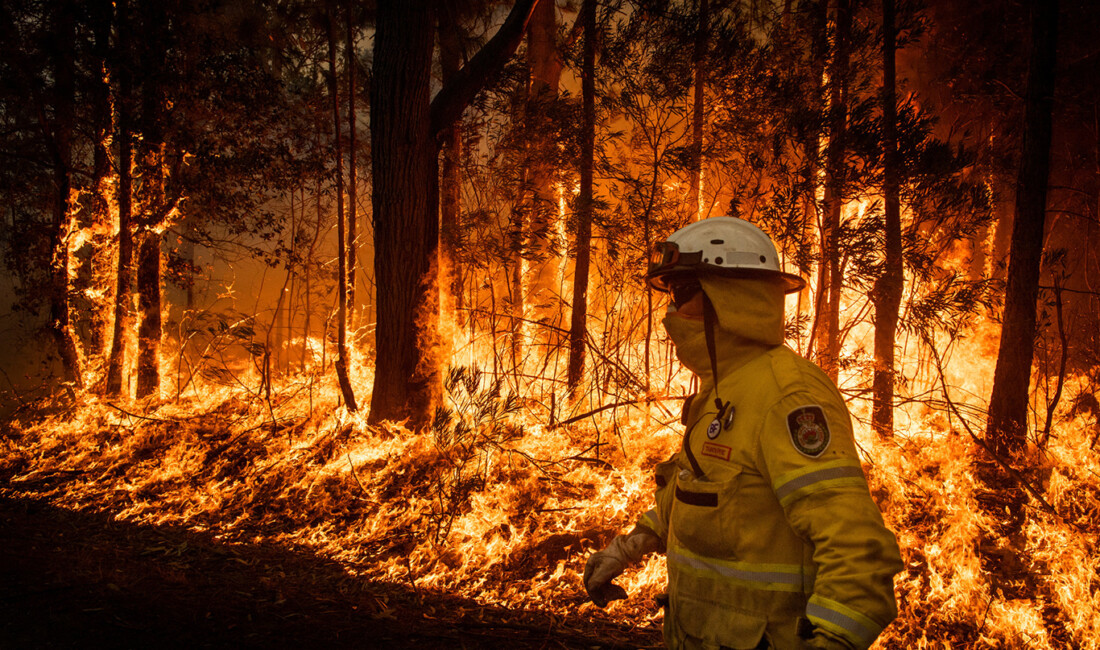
(780, 526)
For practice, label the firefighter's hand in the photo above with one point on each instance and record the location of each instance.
(603, 567)
(606, 565)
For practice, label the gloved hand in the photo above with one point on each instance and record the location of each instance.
(606, 565)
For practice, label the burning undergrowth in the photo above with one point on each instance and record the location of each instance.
(491, 506)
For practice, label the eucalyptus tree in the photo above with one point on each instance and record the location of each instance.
(406, 127)
(1007, 426)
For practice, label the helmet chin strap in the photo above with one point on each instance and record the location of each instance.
(710, 322)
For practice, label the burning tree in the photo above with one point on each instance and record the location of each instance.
(168, 164)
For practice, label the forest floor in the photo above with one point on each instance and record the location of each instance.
(215, 525)
(76, 579)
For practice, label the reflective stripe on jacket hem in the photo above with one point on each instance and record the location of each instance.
(795, 485)
(768, 577)
(842, 620)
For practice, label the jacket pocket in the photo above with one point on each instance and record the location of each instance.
(697, 624)
(704, 516)
(665, 473)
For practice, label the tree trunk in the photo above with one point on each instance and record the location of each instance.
(517, 298)
(819, 21)
(1006, 429)
(450, 182)
(979, 254)
(307, 326)
(96, 201)
(888, 287)
(124, 99)
(542, 290)
(341, 243)
(149, 303)
(699, 59)
(352, 244)
(64, 72)
(406, 130)
(1002, 234)
(578, 322)
(405, 224)
(154, 208)
(831, 282)
(100, 16)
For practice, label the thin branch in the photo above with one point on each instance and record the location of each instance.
(355, 475)
(1063, 360)
(605, 407)
(141, 417)
(454, 97)
(1068, 290)
(14, 390)
(485, 312)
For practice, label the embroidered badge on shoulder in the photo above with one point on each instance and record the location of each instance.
(809, 430)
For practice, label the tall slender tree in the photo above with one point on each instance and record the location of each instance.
(341, 225)
(830, 282)
(97, 200)
(698, 109)
(351, 61)
(578, 331)
(450, 189)
(1006, 429)
(60, 136)
(541, 286)
(124, 135)
(154, 50)
(888, 286)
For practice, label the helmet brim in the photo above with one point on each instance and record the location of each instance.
(661, 279)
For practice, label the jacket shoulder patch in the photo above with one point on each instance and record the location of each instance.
(809, 430)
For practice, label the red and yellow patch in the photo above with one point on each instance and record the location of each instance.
(715, 450)
(809, 430)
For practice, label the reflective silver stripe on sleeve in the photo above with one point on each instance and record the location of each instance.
(761, 578)
(651, 519)
(856, 630)
(829, 473)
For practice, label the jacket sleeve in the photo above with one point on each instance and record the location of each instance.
(656, 518)
(808, 453)
(664, 475)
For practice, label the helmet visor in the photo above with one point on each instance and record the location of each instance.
(664, 254)
(666, 258)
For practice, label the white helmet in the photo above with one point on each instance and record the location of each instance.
(725, 246)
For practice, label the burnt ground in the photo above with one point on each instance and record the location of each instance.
(73, 579)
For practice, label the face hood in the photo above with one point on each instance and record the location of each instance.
(750, 321)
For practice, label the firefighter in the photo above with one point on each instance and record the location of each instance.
(771, 537)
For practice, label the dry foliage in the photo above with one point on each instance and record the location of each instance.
(491, 507)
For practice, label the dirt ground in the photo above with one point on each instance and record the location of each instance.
(82, 580)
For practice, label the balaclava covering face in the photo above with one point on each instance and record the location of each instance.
(750, 321)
